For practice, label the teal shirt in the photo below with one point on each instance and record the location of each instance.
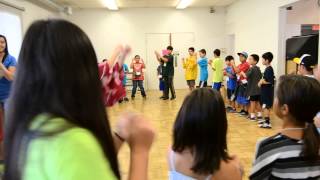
(74, 154)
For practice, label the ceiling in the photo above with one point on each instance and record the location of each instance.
(142, 3)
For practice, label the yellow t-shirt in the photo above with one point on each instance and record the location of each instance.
(217, 66)
(190, 65)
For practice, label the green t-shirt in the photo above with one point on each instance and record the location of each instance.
(73, 154)
(217, 65)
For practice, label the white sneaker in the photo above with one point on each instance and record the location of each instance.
(265, 125)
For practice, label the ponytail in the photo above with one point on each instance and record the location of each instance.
(311, 139)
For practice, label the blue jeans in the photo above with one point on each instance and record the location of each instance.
(134, 89)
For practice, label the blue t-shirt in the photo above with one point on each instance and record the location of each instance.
(5, 84)
(125, 70)
(232, 81)
(203, 64)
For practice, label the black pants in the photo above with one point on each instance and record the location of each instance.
(168, 84)
(134, 89)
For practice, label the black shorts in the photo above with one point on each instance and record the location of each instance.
(267, 97)
(191, 83)
(230, 93)
(255, 98)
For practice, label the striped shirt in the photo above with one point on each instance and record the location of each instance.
(278, 157)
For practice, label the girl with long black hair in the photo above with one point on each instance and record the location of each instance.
(56, 123)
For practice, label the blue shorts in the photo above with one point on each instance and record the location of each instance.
(216, 86)
(242, 100)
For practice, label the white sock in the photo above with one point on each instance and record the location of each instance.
(259, 114)
(252, 115)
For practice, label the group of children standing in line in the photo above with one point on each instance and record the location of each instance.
(247, 87)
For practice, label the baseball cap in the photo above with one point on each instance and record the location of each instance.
(306, 60)
(243, 53)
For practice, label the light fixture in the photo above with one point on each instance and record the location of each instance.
(183, 4)
(110, 4)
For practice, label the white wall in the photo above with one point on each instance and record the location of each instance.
(304, 12)
(255, 24)
(107, 29)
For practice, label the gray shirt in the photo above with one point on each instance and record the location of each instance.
(253, 76)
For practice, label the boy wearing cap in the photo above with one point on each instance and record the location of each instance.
(243, 67)
(217, 67)
(306, 65)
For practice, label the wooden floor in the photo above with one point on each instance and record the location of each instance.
(242, 134)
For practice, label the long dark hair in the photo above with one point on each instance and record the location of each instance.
(302, 95)
(6, 51)
(201, 126)
(57, 75)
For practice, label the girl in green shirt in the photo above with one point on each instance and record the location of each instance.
(56, 124)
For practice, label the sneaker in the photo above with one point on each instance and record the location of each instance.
(228, 108)
(244, 113)
(265, 125)
(261, 121)
(232, 110)
(165, 98)
(252, 119)
(259, 117)
(240, 112)
(126, 99)
(172, 98)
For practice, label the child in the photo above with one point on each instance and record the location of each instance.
(253, 91)
(161, 82)
(125, 69)
(203, 64)
(267, 88)
(137, 65)
(217, 67)
(243, 67)
(305, 65)
(294, 152)
(231, 82)
(190, 66)
(199, 149)
(58, 123)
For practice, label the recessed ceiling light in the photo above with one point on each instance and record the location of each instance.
(110, 4)
(183, 4)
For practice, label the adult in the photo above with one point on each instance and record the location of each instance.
(7, 70)
(57, 125)
(167, 72)
(137, 65)
(191, 70)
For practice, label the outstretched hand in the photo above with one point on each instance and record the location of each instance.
(119, 55)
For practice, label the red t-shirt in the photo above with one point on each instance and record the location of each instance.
(243, 67)
(137, 70)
